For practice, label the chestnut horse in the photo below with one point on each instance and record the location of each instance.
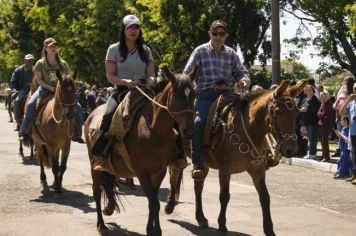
(242, 146)
(150, 144)
(52, 130)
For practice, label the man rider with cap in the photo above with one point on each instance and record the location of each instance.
(21, 82)
(217, 64)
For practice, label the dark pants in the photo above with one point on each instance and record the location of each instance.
(324, 133)
(353, 144)
(112, 103)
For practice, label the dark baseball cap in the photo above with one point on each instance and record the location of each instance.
(219, 23)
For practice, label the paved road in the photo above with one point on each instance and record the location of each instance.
(304, 201)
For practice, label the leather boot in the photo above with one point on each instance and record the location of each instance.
(100, 144)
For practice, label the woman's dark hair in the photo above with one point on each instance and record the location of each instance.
(139, 42)
(349, 85)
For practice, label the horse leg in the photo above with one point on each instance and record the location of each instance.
(175, 180)
(198, 189)
(96, 176)
(40, 156)
(63, 166)
(224, 179)
(32, 154)
(259, 180)
(21, 150)
(55, 171)
(151, 186)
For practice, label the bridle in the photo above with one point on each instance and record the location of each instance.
(173, 114)
(290, 105)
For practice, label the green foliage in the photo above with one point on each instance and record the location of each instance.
(337, 22)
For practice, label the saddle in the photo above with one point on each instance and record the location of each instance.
(217, 117)
(120, 125)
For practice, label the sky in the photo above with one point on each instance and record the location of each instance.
(288, 31)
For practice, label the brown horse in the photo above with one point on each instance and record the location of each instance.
(52, 130)
(151, 147)
(241, 146)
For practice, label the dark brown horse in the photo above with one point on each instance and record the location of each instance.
(241, 146)
(29, 141)
(150, 144)
(52, 130)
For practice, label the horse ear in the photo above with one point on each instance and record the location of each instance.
(193, 74)
(297, 89)
(59, 75)
(278, 92)
(170, 76)
(75, 74)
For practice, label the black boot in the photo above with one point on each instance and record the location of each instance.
(100, 144)
(78, 139)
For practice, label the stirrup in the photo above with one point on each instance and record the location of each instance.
(198, 174)
(181, 163)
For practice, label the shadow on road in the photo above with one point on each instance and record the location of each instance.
(196, 230)
(70, 198)
(162, 193)
(115, 229)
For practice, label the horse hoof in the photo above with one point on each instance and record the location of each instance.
(107, 211)
(102, 228)
(58, 196)
(222, 229)
(169, 209)
(203, 224)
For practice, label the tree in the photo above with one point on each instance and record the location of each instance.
(177, 26)
(335, 39)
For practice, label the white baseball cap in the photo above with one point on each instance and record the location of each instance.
(131, 20)
(29, 57)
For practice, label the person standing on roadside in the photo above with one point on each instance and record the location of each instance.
(349, 109)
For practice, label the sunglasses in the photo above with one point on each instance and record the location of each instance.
(220, 34)
(133, 27)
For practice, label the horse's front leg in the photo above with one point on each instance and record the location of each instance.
(55, 170)
(198, 189)
(259, 180)
(150, 185)
(21, 149)
(63, 166)
(224, 179)
(175, 177)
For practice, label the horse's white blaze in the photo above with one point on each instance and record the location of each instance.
(187, 92)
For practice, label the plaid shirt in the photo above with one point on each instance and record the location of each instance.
(226, 67)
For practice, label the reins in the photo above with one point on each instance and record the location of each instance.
(173, 114)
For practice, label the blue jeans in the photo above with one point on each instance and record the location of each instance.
(17, 104)
(31, 105)
(313, 138)
(203, 103)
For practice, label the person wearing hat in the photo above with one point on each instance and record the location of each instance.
(127, 62)
(21, 82)
(218, 64)
(45, 76)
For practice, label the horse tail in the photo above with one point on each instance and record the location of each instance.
(47, 162)
(111, 193)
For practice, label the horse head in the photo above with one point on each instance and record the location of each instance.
(66, 94)
(180, 100)
(282, 113)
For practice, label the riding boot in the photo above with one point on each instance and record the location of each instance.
(179, 159)
(76, 137)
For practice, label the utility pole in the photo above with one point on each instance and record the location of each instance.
(276, 48)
